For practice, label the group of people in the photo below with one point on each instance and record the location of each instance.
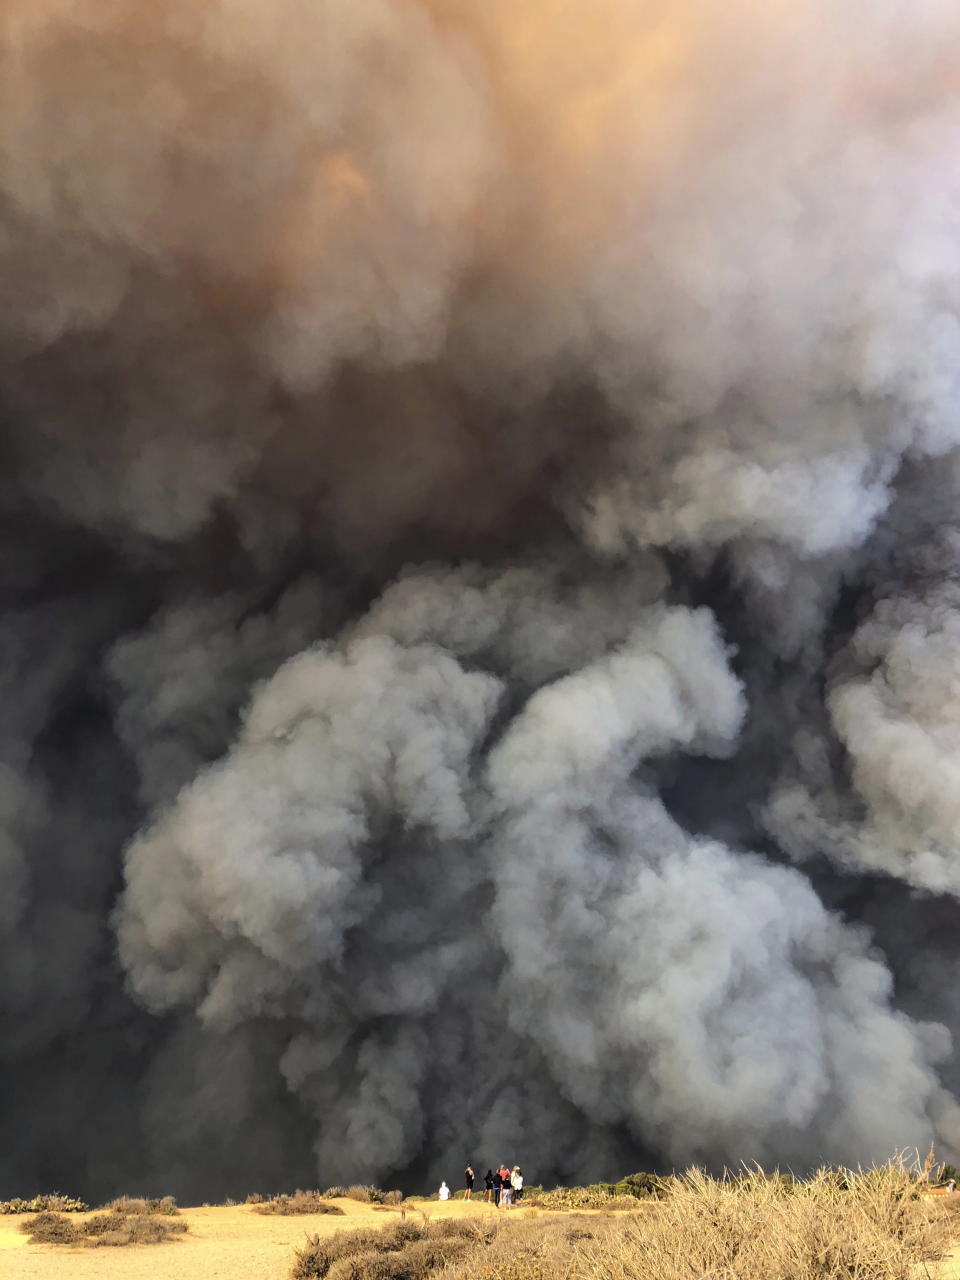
(502, 1187)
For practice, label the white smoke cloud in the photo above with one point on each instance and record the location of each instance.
(704, 999)
(897, 714)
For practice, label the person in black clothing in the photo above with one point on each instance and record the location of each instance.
(488, 1183)
(497, 1188)
(468, 1180)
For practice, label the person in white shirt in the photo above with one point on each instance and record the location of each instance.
(444, 1191)
(516, 1181)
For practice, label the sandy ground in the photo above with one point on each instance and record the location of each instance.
(230, 1244)
(222, 1244)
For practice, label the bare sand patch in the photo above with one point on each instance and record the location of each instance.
(948, 1269)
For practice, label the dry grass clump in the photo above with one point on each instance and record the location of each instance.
(365, 1195)
(132, 1205)
(300, 1202)
(536, 1249)
(114, 1227)
(876, 1227)
(404, 1250)
(52, 1228)
(55, 1203)
(137, 1228)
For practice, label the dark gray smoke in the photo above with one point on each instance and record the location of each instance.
(480, 586)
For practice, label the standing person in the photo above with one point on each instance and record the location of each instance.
(444, 1192)
(516, 1181)
(488, 1183)
(468, 1175)
(506, 1191)
(497, 1188)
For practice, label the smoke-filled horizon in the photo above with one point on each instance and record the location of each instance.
(479, 594)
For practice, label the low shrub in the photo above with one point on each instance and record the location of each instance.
(643, 1186)
(112, 1227)
(52, 1228)
(115, 1228)
(55, 1203)
(133, 1205)
(542, 1249)
(404, 1250)
(254, 1198)
(319, 1253)
(366, 1195)
(416, 1262)
(300, 1202)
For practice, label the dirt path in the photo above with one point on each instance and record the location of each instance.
(222, 1244)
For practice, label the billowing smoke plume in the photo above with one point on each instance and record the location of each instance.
(480, 582)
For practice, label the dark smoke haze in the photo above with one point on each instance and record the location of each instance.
(479, 548)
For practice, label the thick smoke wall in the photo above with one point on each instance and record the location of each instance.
(480, 629)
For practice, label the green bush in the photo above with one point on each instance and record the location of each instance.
(642, 1185)
(601, 1195)
(54, 1203)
